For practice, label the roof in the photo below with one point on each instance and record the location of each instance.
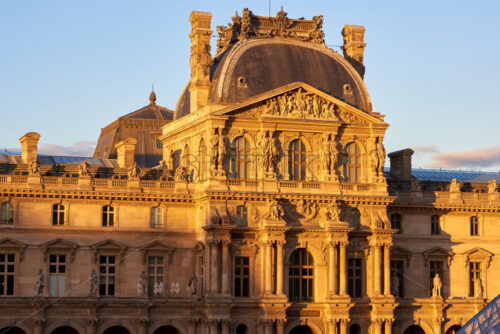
(446, 175)
(45, 159)
(151, 111)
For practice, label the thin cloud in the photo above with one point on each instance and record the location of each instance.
(79, 149)
(425, 149)
(488, 157)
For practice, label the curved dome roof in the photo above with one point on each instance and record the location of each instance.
(253, 67)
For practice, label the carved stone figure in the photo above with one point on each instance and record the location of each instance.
(221, 151)
(326, 153)
(395, 286)
(333, 212)
(310, 209)
(492, 186)
(269, 151)
(40, 283)
(161, 289)
(93, 284)
(141, 286)
(437, 284)
(33, 168)
(83, 169)
(181, 174)
(454, 186)
(274, 210)
(377, 156)
(175, 288)
(218, 150)
(133, 172)
(156, 289)
(192, 285)
(478, 287)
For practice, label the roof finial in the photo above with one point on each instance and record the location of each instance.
(152, 96)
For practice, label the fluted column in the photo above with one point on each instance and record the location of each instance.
(343, 326)
(387, 271)
(268, 269)
(212, 326)
(224, 326)
(436, 324)
(377, 326)
(91, 326)
(388, 327)
(376, 264)
(332, 326)
(226, 265)
(214, 254)
(268, 326)
(280, 326)
(342, 269)
(279, 267)
(332, 277)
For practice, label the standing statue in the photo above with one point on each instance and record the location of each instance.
(192, 285)
(492, 186)
(83, 169)
(141, 286)
(221, 151)
(274, 210)
(478, 287)
(33, 168)
(133, 171)
(326, 153)
(93, 284)
(395, 286)
(377, 156)
(437, 284)
(269, 151)
(454, 186)
(40, 283)
(214, 149)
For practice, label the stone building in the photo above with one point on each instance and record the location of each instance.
(268, 209)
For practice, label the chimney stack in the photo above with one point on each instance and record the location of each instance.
(125, 152)
(200, 60)
(29, 147)
(354, 46)
(401, 163)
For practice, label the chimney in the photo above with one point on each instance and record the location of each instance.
(125, 152)
(200, 60)
(401, 164)
(29, 147)
(354, 46)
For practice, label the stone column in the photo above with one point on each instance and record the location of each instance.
(268, 326)
(91, 326)
(387, 271)
(332, 326)
(376, 273)
(141, 326)
(388, 327)
(280, 326)
(38, 326)
(343, 326)
(332, 277)
(279, 267)
(214, 279)
(268, 269)
(226, 266)
(192, 326)
(342, 269)
(212, 326)
(436, 324)
(224, 326)
(377, 327)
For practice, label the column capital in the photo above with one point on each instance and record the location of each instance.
(343, 243)
(280, 243)
(142, 321)
(213, 242)
(267, 322)
(225, 242)
(92, 322)
(280, 322)
(267, 243)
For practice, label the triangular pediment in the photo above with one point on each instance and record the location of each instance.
(8, 244)
(109, 246)
(156, 246)
(436, 251)
(478, 253)
(302, 102)
(401, 253)
(59, 244)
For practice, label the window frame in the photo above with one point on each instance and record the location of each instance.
(474, 224)
(60, 213)
(57, 274)
(349, 164)
(355, 278)
(399, 222)
(158, 215)
(301, 277)
(297, 165)
(106, 213)
(107, 275)
(156, 275)
(436, 225)
(7, 206)
(240, 158)
(5, 273)
(242, 276)
(241, 218)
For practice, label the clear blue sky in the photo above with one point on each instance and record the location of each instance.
(68, 68)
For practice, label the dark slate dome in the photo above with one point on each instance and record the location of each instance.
(253, 67)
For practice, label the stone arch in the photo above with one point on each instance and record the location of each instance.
(166, 329)
(120, 323)
(452, 328)
(55, 325)
(64, 330)
(173, 323)
(291, 324)
(422, 324)
(13, 330)
(354, 328)
(251, 325)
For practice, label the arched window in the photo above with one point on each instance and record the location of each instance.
(474, 226)
(301, 276)
(240, 158)
(58, 212)
(108, 215)
(435, 227)
(7, 213)
(156, 217)
(352, 164)
(396, 222)
(297, 160)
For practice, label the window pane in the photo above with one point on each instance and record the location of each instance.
(53, 285)
(62, 285)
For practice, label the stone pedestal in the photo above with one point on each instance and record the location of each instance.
(134, 185)
(85, 183)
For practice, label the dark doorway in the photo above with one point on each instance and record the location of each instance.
(116, 330)
(167, 330)
(241, 329)
(65, 330)
(12, 330)
(453, 329)
(414, 330)
(355, 329)
(301, 330)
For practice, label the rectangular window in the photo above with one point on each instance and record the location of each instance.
(474, 275)
(156, 217)
(354, 279)
(155, 272)
(57, 275)
(435, 228)
(241, 276)
(7, 266)
(58, 214)
(107, 275)
(108, 216)
(158, 143)
(436, 267)
(397, 278)
(396, 222)
(241, 216)
(474, 226)
(7, 213)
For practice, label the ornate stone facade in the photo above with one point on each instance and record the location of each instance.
(270, 215)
